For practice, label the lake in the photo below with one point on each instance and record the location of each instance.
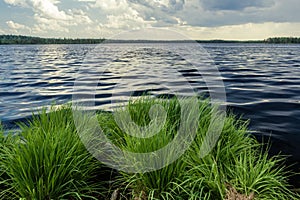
(262, 81)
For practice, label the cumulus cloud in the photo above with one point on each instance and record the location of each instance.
(125, 21)
(204, 13)
(49, 9)
(170, 6)
(16, 26)
(119, 14)
(48, 16)
(197, 13)
(163, 11)
(45, 7)
(132, 14)
(16, 2)
(44, 25)
(85, 17)
(79, 17)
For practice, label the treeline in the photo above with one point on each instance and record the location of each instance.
(273, 40)
(283, 40)
(230, 41)
(19, 39)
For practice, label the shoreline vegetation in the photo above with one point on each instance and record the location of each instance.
(47, 160)
(20, 39)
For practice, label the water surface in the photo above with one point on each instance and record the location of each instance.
(262, 81)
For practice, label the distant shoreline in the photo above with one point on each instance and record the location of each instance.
(25, 40)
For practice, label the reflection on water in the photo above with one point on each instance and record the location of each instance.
(262, 81)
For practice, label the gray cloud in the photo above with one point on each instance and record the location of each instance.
(234, 4)
(212, 13)
(205, 13)
(164, 13)
(169, 6)
(176, 4)
(269, 11)
(109, 16)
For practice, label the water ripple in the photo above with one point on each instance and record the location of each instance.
(262, 81)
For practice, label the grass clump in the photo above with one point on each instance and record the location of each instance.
(236, 165)
(158, 183)
(48, 161)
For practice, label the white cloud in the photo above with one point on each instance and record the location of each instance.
(165, 12)
(112, 5)
(44, 7)
(48, 17)
(120, 15)
(16, 2)
(49, 9)
(15, 26)
(45, 24)
(199, 18)
(79, 17)
(125, 21)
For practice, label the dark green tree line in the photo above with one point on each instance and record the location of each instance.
(19, 39)
(283, 40)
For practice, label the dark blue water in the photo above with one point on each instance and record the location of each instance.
(262, 82)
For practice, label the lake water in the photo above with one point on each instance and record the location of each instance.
(262, 81)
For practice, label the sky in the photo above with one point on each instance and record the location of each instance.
(195, 19)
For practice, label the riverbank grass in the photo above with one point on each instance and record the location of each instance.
(236, 163)
(47, 160)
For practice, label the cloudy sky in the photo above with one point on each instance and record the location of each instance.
(197, 19)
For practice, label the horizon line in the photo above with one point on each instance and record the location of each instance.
(158, 40)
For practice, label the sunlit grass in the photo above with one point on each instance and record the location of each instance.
(237, 161)
(49, 161)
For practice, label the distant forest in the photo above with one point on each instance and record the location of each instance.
(19, 39)
(283, 40)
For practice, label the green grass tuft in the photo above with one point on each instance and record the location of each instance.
(48, 160)
(237, 161)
